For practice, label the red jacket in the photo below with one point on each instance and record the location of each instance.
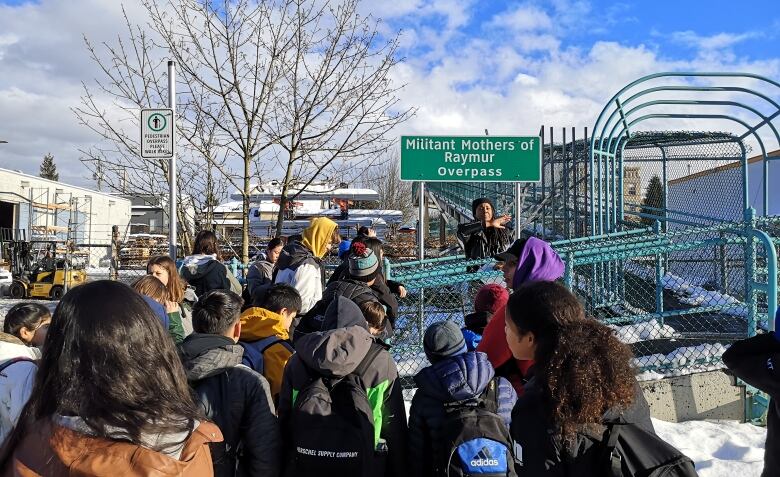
(494, 345)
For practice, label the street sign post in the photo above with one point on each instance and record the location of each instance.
(157, 133)
(471, 158)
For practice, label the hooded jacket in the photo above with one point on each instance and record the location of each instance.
(457, 378)
(238, 400)
(756, 361)
(260, 273)
(537, 262)
(56, 450)
(540, 452)
(353, 290)
(18, 364)
(257, 324)
(205, 273)
(299, 262)
(338, 352)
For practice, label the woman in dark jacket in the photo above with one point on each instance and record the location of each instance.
(756, 361)
(486, 236)
(454, 375)
(582, 378)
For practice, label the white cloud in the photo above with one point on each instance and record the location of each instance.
(461, 85)
(712, 42)
(522, 18)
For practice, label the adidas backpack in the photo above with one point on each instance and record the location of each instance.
(630, 451)
(475, 440)
(333, 427)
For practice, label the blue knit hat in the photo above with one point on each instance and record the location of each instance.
(363, 263)
(344, 248)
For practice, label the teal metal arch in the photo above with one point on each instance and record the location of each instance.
(606, 202)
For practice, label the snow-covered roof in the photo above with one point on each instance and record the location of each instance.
(320, 190)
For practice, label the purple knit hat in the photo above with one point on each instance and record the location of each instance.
(537, 262)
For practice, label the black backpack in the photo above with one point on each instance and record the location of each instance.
(630, 451)
(333, 427)
(475, 440)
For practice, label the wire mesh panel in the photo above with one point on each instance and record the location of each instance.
(679, 299)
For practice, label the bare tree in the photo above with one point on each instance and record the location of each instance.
(394, 194)
(334, 103)
(299, 84)
(132, 79)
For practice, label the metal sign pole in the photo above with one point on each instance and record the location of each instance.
(421, 225)
(172, 168)
(518, 204)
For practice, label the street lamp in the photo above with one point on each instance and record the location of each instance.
(3, 142)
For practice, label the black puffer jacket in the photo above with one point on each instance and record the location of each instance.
(543, 454)
(236, 399)
(483, 242)
(756, 361)
(356, 291)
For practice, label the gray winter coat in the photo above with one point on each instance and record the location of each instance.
(236, 399)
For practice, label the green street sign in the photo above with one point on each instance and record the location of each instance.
(471, 158)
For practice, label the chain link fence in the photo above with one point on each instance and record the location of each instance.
(677, 298)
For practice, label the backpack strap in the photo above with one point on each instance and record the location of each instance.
(489, 397)
(614, 460)
(18, 359)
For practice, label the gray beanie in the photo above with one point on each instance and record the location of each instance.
(443, 339)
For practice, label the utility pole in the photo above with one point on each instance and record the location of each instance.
(172, 169)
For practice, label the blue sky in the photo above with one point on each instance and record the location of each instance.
(468, 65)
(674, 28)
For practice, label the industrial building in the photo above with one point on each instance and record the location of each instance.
(41, 209)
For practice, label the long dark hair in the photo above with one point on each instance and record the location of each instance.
(108, 360)
(583, 370)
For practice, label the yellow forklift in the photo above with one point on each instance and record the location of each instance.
(38, 272)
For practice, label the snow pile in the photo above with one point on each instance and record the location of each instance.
(718, 448)
(648, 330)
(685, 360)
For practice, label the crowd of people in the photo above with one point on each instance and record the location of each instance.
(189, 373)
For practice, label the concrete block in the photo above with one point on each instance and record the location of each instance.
(708, 395)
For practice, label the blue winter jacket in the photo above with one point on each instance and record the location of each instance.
(453, 379)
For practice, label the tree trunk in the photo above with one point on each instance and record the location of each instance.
(283, 198)
(245, 209)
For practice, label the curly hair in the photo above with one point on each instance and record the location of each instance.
(583, 370)
(587, 374)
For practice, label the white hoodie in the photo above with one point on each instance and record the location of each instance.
(16, 383)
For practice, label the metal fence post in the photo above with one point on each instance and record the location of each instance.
(114, 270)
(750, 271)
(659, 278)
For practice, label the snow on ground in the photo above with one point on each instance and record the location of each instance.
(718, 448)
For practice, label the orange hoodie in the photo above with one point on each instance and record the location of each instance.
(258, 323)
